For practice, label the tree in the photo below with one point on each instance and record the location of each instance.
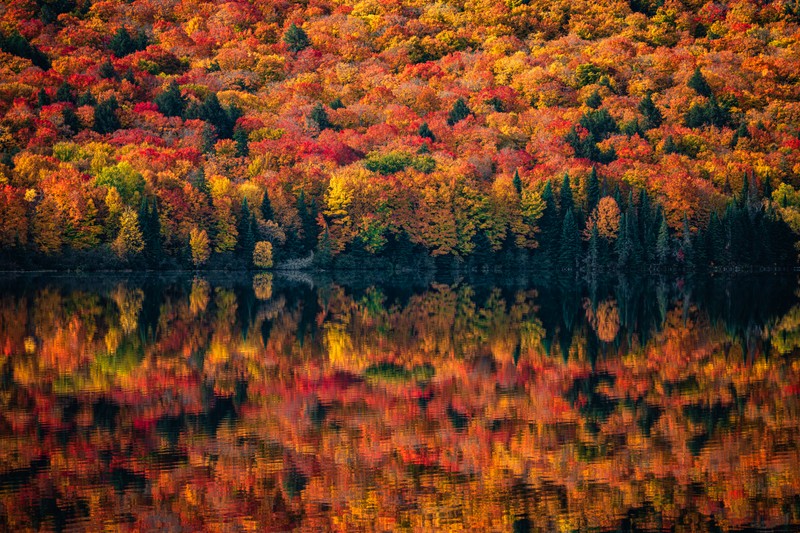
(458, 112)
(652, 116)
(242, 142)
(295, 38)
(121, 43)
(592, 190)
(517, 182)
(246, 230)
(47, 227)
(566, 202)
(262, 254)
(42, 99)
(106, 70)
(200, 246)
(594, 100)
(105, 116)
(605, 219)
(266, 207)
(425, 132)
(570, 243)
(170, 101)
(662, 244)
(150, 224)
(129, 241)
(698, 83)
(65, 93)
(318, 117)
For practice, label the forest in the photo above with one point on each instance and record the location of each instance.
(575, 135)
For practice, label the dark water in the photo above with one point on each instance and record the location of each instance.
(261, 404)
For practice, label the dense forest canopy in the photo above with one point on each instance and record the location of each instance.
(575, 134)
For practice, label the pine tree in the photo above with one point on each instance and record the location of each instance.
(105, 116)
(336, 104)
(121, 43)
(594, 100)
(592, 191)
(517, 181)
(319, 117)
(65, 93)
(686, 244)
(699, 84)
(71, 120)
(565, 200)
(266, 207)
(106, 70)
(295, 38)
(458, 112)
(42, 99)
(87, 98)
(593, 253)
(623, 245)
(652, 116)
(242, 142)
(550, 226)
(570, 243)
(662, 244)
(170, 101)
(425, 132)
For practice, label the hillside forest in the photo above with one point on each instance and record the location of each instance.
(578, 135)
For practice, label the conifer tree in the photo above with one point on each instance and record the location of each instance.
(699, 84)
(170, 101)
(592, 191)
(266, 207)
(105, 116)
(570, 243)
(295, 38)
(565, 200)
(458, 112)
(517, 181)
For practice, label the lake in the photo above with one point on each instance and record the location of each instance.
(354, 403)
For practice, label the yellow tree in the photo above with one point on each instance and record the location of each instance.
(129, 241)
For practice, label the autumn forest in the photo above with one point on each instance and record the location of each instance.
(576, 135)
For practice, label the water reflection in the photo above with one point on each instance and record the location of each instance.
(261, 403)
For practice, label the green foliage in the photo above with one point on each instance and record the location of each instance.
(388, 163)
(170, 101)
(652, 116)
(699, 84)
(594, 100)
(16, 44)
(123, 44)
(296, 39)
(587, 74)
(106, 70)
(425, 132)
(458, 112)
(319, 117)
(124, 178)
(105, 116)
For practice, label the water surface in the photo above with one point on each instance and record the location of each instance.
(242, 403)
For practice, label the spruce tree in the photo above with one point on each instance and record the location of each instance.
(570, 243)
(106, 70)
(266, 207)
(662, 243)
(42, 99)
(319, 117)
(593, 253)
(425, 132)
(699, 84)
(247, 238)
(242, 142)
(566, 202)
(458, 112)
(295, 38)
(592, 191)
(170, 101)
(65, 93)
(121, 43)
(105, 116)
(652, 116)
(550, 226)
(517, 181)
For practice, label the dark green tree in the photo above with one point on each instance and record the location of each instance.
(246, 229)
(594, 100)
(662, 244)
(105, 116)
(295, 38)
(87, 98)
(517, 181)
(699, 84)
(425, 132)
(121, 43)
(319, 117)
(566, 202)
(106, 70)
(170, 101)
(592, 191)
(266, 207)
(336, 104)
(458, 112)
(570, 243)
(65, 93)
(70, 119)
(42, 99)
(652, 116)
(242, 142)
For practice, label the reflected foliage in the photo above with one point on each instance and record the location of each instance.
(272, 404)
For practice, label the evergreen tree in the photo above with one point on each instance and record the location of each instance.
(570, 243)
(150, 225)
(42, 99)
(699, 84)
(662, 244)
(336, 103)
(594, 100)
(549, 225)
(105, 116)
(517, 181)
(295, 38)
(242, 142)
(106, 70)
(65, 93)
(623, 245)
(319, 117)
(266, 207)
(425, 132)
(566, 202)
(652, 116)
(686, 244)
(592, 191)
(170, 101)
(121, 43)
(458, 112)
(593, 254)
(87, 98)
(669, 145)
(70, 119)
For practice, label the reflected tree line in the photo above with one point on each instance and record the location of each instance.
(503, 404)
